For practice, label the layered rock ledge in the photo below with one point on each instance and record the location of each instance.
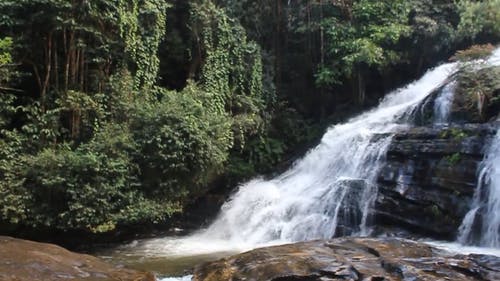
(363, 259)
(429, 178)
(22, 260)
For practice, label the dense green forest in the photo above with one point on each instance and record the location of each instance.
(115, 113)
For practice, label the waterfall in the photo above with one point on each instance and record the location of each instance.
(485, 211)
(331, 190)
(481, 225)
(443, 103)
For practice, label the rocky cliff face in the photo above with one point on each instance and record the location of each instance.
(429, 178)
(428, 181)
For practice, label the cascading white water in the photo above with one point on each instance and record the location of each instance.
(330, 191)
(486, 201)
(443, 103)
(485, 210)
(310, 200)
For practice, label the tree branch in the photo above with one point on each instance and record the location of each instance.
(11, 89)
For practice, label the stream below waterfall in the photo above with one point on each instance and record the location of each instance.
(164, 257)
(327, 193)
(153, 255)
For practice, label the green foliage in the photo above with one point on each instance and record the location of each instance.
(7, 109)
(76, 45)
(142, 27)
(76, 189)
(454, 158)
(68, 36)
(367, 36)
(93, 187)
(433, 28)
(232, 69)
(14, 198)
(475, 52)
(478, 90)
(287, 131)
(479, 17)
(7, 73)
(183, 144)
(453, 133)
(261, 155)
(100, 145)
(458, 134)
(5, 51)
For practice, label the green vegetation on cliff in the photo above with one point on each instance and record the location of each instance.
(478, 87)
(115, 113)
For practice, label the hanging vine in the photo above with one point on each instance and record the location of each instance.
(232, 68)
(142, 27)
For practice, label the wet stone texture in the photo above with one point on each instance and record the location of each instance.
(362, 259)
(429, 178)
(22, 260)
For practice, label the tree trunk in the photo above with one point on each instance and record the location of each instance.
(322, 36)
(82, 70)
(48, 69)
(277, 45)
(194, 66)
(74, 67)
(359, 85)
(75, 123)
(69, 49)
(56, 66)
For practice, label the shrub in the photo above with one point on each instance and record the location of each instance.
(478, 92)
(181, 144)
(475, 52)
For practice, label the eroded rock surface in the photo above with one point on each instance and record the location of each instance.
(31, 261)
(354, 259)
(429, 178)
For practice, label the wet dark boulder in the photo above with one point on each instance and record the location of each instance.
(429, 178)
(354, 259)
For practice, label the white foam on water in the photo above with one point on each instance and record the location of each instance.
(183, 278)
(486, 202)
(457, 248)
(443, 103)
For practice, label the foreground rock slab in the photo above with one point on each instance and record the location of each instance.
(361, 259)
(31, 261)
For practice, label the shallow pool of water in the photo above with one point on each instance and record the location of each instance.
(167, 257)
